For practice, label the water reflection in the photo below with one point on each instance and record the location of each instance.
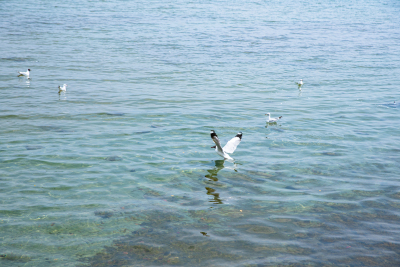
(26, 81)
(219, 165)
(273, 124)
(217, 199)
(62, 96)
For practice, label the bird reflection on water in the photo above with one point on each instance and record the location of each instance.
(219, 165)
(212, 175)
(217, 199)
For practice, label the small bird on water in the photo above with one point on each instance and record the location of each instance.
(62, 89)
(230, 147)
(271, 120)
(300, 84)
(24, 73)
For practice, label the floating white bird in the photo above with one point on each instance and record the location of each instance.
(24, 73)
(230, 147)
(270, 120)
(300, 84)
(62, 89)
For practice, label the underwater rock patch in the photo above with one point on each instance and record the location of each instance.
(33, 147)
(291, 188)
(57, 129)
(331, 154)
(259, 229)
(134, 250)
(15, 257)
(15, 59)
(104, 214)
(114, 158)
(115, 114)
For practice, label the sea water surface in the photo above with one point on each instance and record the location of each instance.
(119, 170)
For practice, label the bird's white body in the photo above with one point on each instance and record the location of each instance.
(230, 147)
(62, 89)
(24, 73)
(270, 120)
(300, 84)
(222, 153)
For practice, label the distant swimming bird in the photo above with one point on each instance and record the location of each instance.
(300, 84)
(270, 120)
(230, 147)
(62, 89)
(24, 73)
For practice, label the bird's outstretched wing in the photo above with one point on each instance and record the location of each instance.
(231, 146)
(214, 137)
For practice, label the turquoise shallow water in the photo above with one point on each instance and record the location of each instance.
(118, 171)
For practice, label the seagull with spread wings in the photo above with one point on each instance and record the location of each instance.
(229, 148)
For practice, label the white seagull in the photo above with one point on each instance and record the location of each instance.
(230, 147)
(300, 84)
(271, 120)
(62, 89)
(24, 73)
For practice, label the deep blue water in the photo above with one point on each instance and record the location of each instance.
(118, 171)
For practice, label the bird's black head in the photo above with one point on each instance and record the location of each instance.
(29, 69)
(212, 132)
(239, 135)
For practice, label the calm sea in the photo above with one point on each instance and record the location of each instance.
(119, 170)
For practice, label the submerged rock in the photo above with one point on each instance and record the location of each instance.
(290, 187)
(115, 114)
(33, 147)
(258, 229)
(143, 132)
(16, 258)
(104, 214)
(331, 154)
(54, 129)
(114, 158)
